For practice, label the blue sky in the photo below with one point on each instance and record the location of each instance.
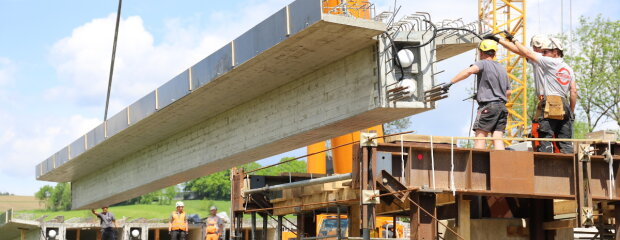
(54, 60)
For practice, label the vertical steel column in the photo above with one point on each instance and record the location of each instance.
(369, 153)
(279, 228)
(423, 226)
(338, 225)
(300, 225)
(253, 225)
(264, 231)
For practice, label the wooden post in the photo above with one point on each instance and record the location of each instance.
(463, 220)
(23, 234)
(423, 226)
(156, 233)
(99, 235)
(354, 220)
(78, 233)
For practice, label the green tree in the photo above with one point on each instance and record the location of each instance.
(216, 186)
(596, 62)
(396, 126)
(168, 194)
(57, 198)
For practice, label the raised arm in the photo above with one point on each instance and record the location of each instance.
(473, 69)
(573, 95)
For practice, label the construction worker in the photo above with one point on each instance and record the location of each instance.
(492, 95)
(215, 225)
(108, 223)
(556, 90)
(178, 226)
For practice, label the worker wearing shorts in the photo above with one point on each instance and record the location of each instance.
(493, 89)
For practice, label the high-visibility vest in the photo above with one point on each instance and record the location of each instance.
(178, 221)
(212, 226)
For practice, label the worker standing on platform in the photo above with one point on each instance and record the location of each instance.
(215, 226)
(178, 226)
(556, 90)
(492, 95)
(108, 223)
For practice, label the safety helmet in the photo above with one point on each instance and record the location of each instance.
(180, 204)
(539, 41)
(213, 208)
(487, 45)
(554, 43)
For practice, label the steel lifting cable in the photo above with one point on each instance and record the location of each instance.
(432, 162)
(452, 187)
(107, 99)
(322, 151)
(611, 171)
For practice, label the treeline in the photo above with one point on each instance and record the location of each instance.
(217, 186)
(214, 186)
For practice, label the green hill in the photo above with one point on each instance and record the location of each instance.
(152, 211)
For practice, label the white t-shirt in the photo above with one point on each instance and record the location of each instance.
(552, 76)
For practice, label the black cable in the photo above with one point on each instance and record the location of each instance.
(107, 99)
(395, 57)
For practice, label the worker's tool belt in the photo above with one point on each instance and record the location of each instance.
(490, 102)
(554, 107)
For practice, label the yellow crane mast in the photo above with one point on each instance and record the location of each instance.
(510, 15)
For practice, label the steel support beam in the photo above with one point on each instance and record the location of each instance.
(423, 226)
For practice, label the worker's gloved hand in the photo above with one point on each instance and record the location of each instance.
(491, 36)
(446, 86)
(509, 36)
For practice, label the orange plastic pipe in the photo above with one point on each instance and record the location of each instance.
(343, 156)
(317, 163)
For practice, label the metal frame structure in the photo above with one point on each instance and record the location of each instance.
(510, 15)
(440, 182)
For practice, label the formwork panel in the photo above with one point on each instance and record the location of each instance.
(77, 147)
(117, 123)
(213, 66)
(261, 37)
(173, 90)
(143, 108)
(303, 13)
(95, 136)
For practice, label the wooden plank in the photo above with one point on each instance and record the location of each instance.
(418, 138)
(464, 223)
(559, 224)
(564, 207)
(512, 172)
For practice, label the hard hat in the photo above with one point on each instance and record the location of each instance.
(554, 43)
(180, 204)
(539, 41)
(488, 45)
(213, 208)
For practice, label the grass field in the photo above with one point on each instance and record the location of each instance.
(200, 207)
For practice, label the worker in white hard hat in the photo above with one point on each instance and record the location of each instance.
(556, 90)
(215, 225)
(493, 90)
(178, 226)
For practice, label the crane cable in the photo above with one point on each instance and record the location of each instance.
(107, 99)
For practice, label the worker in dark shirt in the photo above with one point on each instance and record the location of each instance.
(108, 223)
(492, 94)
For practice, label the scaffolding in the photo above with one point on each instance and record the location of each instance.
(496, 16)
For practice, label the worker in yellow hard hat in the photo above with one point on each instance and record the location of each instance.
(492, 92)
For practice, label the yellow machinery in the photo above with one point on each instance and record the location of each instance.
(509, 15)
(327, 225)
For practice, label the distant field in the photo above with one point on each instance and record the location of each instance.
(20, 203)
(200, 207)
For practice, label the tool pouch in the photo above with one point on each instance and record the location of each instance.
(554, 108)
